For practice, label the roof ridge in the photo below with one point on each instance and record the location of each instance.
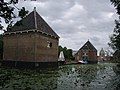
(92, 45)
(87, 43)
(34, 21)
(50, 31)
(35, 17)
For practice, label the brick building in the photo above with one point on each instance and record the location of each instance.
(87, 50)
(30, 42)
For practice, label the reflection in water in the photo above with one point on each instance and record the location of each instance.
(87, 77)
(117, 78)
(117, 69)
(102, 76)
(76, 77)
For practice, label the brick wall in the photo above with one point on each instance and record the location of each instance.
(92, 55)
(31, 47)
(44, 53)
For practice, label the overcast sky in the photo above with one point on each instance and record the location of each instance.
(76, 21)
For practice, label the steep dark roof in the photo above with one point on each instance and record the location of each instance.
(43, 26)
(89, 46)
(31, 22)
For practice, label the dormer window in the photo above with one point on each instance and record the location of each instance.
(49, 45)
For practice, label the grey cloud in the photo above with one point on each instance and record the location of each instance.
(76, 21)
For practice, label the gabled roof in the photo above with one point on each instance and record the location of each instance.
(33, 21)
(88, 46)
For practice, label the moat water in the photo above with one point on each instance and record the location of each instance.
(102, 76)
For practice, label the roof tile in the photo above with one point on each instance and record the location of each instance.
(33, 21)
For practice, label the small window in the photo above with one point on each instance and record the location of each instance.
(85, 53)
(49, 44)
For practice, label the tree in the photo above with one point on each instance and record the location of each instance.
(67, 53)
(1, 46)
(115, 37)
(116, 4)
(7, 12)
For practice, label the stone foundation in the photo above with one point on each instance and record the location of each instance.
(30, 65)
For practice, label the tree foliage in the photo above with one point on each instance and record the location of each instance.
(1, 46)
(67, 53)
(115, 37)
(23, 12)
(116, 4)
(7, 9)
